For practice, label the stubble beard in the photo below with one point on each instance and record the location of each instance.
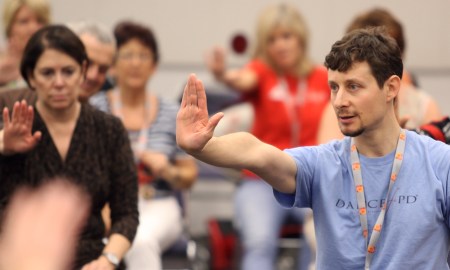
(349, 133)
(354, 133)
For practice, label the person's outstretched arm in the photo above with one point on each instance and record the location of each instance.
(236, 150)
(242, 79)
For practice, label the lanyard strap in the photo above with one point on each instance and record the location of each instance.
(292, 102)
(357, 177)
(140, 144)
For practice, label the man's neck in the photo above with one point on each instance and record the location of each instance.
(379, 141)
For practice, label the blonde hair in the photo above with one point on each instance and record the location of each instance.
(286, 16)
(11, 7)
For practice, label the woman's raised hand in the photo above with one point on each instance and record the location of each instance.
(215, 60)
(17, 131)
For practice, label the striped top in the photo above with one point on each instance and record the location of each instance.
(161, 134)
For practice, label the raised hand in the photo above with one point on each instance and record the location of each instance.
(17, 131)
(215, 61)
(194, 127)
(41, 227)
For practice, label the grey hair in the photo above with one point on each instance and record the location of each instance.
(98, 31)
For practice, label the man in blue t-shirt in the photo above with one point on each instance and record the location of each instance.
(380, 195)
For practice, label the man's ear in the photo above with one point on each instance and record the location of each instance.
(84, 68)
(393, 87)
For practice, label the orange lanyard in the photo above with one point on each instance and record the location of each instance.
(357, 177)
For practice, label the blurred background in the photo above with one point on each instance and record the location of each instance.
(187, 29)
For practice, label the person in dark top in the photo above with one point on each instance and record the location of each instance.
(62, 137)
(100, 47)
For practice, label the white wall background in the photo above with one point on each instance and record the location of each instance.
(186, 29)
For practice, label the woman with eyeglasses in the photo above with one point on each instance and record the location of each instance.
(164, 170)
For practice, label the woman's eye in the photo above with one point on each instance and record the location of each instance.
(22, 21)
(47, 72)
(287, 35)
(68, 71)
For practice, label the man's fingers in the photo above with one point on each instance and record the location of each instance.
(184, 98)
(192, 91)
(185, 95)
(6, 120)
(201, 94)
(214, 120)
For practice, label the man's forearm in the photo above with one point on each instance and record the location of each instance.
(244, 151)
(234, 150)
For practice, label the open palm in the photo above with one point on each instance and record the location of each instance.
(194, 127)
(17, 131)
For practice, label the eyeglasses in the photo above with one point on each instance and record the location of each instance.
(128, 56)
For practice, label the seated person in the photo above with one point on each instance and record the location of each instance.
(21, 19)
(61, 137)
(163, 168)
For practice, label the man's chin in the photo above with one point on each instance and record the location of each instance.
(85, 94)
(352, 133)
(83, 97)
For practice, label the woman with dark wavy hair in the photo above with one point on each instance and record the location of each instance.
(62, 137)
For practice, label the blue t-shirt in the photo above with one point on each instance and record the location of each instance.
(415, 234)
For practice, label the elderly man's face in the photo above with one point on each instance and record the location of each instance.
(101, 57)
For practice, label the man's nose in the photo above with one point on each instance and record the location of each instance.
(340, 99)
(92, 73)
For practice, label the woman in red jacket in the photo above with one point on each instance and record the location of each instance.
(288, 93)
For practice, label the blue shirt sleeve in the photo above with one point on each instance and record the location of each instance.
(441, 155)
(306, 160)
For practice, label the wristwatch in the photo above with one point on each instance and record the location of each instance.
(111, 258)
